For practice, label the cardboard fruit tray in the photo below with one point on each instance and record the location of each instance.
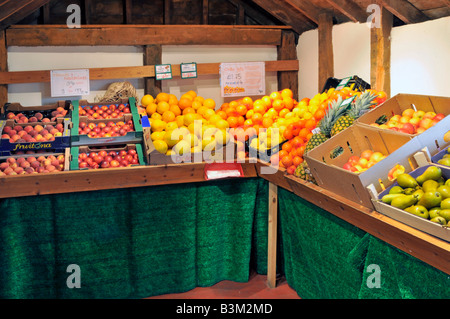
(47, 111)
(131, 137)
(328, 170)
(59, 143)
(400, 102)
(56, 153)
(76, 150)
(412, 220)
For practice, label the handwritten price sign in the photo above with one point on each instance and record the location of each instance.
(242, 79)
(69, 82)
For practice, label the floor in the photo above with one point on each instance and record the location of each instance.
(255, 288)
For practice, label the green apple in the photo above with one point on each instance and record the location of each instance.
(445, 204)
(434, 212)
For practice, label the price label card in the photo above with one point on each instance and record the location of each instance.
(188, 70)
(343, 83)
(242, 79)
(347, 103)
(163, 71)
(69, 82)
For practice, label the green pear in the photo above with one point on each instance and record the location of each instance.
(418, 194)
(430, 199)
(440, 220)
(430, 185)
(432, 172)
(389, 197)
(441, 181)
(434, 212)
(404, 201)
(445, 204)
(418, 210)
(444, 190)
(446, 214)
(406, 181)
(396, 190)
(444, 161)
(409, 191)
(447, 182)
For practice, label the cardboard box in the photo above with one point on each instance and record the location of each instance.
(329, 172)
(59, 143)
(412, 220)
(227, 153)
(56, 153)
(76, 150)
(400, 102)
(131, 137)
(30, 111)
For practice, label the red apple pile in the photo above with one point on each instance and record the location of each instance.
(33, 117)
(108, 159)
(109, 129)
(411, 121)
(366, 160)
(30, 133)
(104, 111)
(32, 165)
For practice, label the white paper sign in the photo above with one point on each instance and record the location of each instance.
(69, 82)
(242, 79)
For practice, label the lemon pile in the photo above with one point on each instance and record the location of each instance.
(186, 125)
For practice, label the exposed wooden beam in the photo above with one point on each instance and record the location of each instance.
(14, 11)
(404, 10)
(205, 14)
(152, 56)
(380, 53)
(142, 35)
(3, 68)
(253, 13)
(326, 59)
(136, 35)
(128, 11)
(129, 72)
(288, 51)
(307, 9)
(286, 14)
(350, 9)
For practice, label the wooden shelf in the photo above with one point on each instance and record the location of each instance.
(134, 72)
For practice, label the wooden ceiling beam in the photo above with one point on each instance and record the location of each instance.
(60, 35)
(350, 9)
(285, 13)
(307, 9)
(14, 11)
(404, 10)
(252, 12)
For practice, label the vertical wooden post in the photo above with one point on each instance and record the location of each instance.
(272, 236)
(152, 56)
(326, 59)
(127, 14)
(288, 51)
(380, 53)
(3, 67)
(205, 13)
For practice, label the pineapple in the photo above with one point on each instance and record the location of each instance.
(302, 171)
(362, 103)
(334, 112)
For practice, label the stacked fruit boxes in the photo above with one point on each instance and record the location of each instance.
(35, 128)
(112, 127)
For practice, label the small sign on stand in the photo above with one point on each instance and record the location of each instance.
(163, 71)
(69, 82)
(188, 70)
(242, 79)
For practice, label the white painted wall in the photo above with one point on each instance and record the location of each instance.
(420, 54)
(420, 58)
(48, 58)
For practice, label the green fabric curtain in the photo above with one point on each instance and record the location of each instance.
(132, 243)
(141, 242)
(328, 258)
